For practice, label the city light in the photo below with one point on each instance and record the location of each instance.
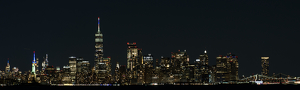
(140, 70)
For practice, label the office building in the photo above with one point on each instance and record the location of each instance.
(227, 68)
(66, 78)
(165, 71)
(72, 64)
(99, 48)
(134, 60)
(265, 66)
(204, 67)
(179, 63)
(148, 68)
(117, 73)
(7, 68)
(33, 64)
(45, 63)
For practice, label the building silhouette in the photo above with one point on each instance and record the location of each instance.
(265, 66)
(98, 50)
(227, 68)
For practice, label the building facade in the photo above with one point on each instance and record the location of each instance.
(227, 68)
(73, 70)
(265, 66)
(98, 48)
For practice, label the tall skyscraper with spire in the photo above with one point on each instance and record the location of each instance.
(98, 48)
(7, 68)
(33, 64)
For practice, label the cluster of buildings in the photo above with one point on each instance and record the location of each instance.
(139, 70)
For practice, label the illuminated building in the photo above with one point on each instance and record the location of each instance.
(15, 69)
(33, 64)
(148, 66)
(140, 69)
(82, 66)
(165, 71)
(50, 70)
(37, 66)
(105, 69)
(117, 73)
(204, 58)
(45, 63)
(134, 61)
(57, 69)
(191, 72)
(204, 67)
(165, 63)
(82, 70)
(227, 68)
(123, 75)
(66, 75)
(72, 63)
(265, 66)
(156, 72)
(7, 68)
(98, 47)
(212, 73)
(197, 74)
(179, 61)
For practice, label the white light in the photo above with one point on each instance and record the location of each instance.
(72, 57)
(197, 59)
(205, 51)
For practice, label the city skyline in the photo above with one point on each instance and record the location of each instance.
(157, 32)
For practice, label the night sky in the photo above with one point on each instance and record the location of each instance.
(247, 28)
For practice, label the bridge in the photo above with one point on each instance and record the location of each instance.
(279, 78)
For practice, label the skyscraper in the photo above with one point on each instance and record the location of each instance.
(72, 63)
(204, 58)
(265, 66)
(45, 64)
(179, 61)
(7, 68)
(204, 67)
(37, 65)
(134, 58)
(98, 47)
(227, 68)
(117, 73)
(33, 64)
(148, 68)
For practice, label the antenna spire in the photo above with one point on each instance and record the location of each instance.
(98, 24)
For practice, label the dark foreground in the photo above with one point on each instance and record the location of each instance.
(171, 87)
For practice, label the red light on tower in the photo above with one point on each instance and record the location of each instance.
(33, 51)
(108, 57)
(220, 55)
(236, 56)
(127, 43)
(134, 43)
(178, 50)
(135, 46)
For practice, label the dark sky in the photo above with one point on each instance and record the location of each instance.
(249, 29)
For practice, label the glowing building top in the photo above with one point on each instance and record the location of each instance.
(98, 25)
(98, 47)
(7, 69)
(33, 63)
